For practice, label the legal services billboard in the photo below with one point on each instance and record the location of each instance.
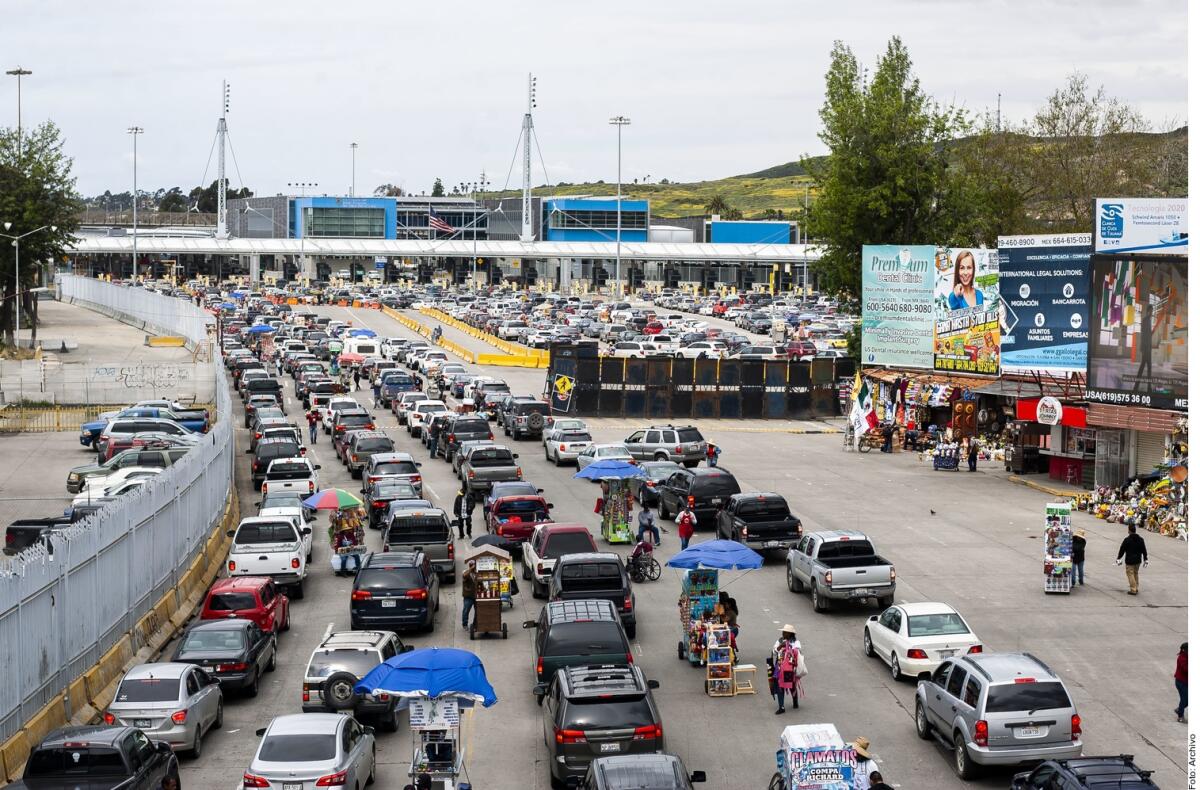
(1044, 285)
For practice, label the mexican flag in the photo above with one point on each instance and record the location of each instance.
(862, 414)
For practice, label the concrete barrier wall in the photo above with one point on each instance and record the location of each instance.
(111, 589)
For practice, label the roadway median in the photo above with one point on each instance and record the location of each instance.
(517, 355)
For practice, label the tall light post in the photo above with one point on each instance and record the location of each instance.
(302, 185)
(353, 166)
(16, 243)
(135, 131)
(18, 72)
(619, 121)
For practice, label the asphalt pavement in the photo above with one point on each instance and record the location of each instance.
(970, 540)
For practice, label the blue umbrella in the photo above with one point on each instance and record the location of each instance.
(361, 333)
(239, 295)
(228, 306)
(432, 672)
(724, 555)
(610, 469)
(259, 329)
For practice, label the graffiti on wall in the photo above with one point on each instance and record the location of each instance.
(154, 376)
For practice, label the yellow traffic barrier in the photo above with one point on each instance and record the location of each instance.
(13, 754)
(165, 341)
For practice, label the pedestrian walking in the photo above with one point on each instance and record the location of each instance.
(313, 419)
(356, 377)
(1078, 548)
(435, 431)
(646, 523)
(468, 591)
(464, 506)
(279, 364)
(711, 453)
(1134, 552)
(1181, 665)
(972, 454)
(785, 660)
(376, 386)
(864, 764)
(888, 430)
(687, 526)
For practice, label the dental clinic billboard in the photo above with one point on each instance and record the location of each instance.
(1144, 225)
(1044, 285)
(897, 305)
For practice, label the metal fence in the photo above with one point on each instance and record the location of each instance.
(62, 607)
(137, 306)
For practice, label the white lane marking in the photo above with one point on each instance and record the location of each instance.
(431, 490)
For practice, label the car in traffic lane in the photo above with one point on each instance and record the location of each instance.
(236, 652)
(299, 751)
(173, 702)
(913, 638)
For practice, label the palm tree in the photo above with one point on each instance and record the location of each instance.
(717, 205)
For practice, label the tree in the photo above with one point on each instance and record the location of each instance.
(438, 189)
(204, 199)
(887, 178)
(717, 205)
(389, 190)
(37, 190)
(173, 200)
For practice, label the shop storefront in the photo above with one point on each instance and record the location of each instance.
(1055, 438)
(1134, 441)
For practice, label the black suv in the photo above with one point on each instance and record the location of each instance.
(393, 590)
(1081, 773)
(570, 633)
(598, 575)
(267, 451)
(706, 490)
(598, 709)
(462, 428)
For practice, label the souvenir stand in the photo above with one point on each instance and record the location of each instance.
(505, 562)
(345, 517)
(1057, 563)
(946, 456)
(616, 501)
(813, 757)
(697, 606)
(718, 659)
(435, 684)
(488, 579)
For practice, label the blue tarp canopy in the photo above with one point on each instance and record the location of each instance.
(228, 306)
(725, 555)
(259, 329)
(432, 672)
(361, 333)
(610, 470)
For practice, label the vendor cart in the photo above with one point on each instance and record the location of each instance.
(1057, 565)
(488, 597)
(616, 501)
(946, 457)
(697, 606)
(813, 757)
(504, 561)
(698, 601)
(435, 725)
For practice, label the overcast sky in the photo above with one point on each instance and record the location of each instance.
(438, 89)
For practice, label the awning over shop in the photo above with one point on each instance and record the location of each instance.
(1137, 418)
(973, 383)
(1073, 416)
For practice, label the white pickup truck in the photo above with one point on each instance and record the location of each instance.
(270, 546)
(292, 475)
(296, 514)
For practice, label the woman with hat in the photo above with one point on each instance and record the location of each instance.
(864, 766)
(785, 657)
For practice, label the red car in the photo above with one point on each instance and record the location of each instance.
(801, 348)
(652, 328)
(514, 517)
(249, 598)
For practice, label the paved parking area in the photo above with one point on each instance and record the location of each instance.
(971, 540)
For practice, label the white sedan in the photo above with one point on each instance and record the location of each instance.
(914, 638)
(602, 452)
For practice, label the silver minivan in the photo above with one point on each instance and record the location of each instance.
(998, 709)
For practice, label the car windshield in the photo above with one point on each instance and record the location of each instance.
(763, 510)
(232, 602)
(356, 662)
(591, 576)
(942, 624)
(568, 543)
(77, 761)
(291, 471)
(213, 639)
(298, 748)
(368, 446)
(1028, 696)
(148, 690)
(470, 426)
(576, 436)
(612, 452)
(353, 420)
(266, 532)
(395, 468)
(285, 499)
(522, 509)
(390, 579)
(492, 456)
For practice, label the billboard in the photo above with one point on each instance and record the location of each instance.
(1145, 225)
(1137, 343)
(897, 305)
(1044, 284)
(966, 311)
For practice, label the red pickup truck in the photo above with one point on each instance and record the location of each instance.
(514, 517)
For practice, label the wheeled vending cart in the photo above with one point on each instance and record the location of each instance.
(488, 585)
(1057, 564)
(697, 604)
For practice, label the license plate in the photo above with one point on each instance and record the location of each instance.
(387, 603)
(716, 500)
(772, 544)
(610, 747)
(946, 653)
(862, 592)
(143, 723)
(293, 786)
(1030, 732)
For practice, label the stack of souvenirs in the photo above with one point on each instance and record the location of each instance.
(1057, 563)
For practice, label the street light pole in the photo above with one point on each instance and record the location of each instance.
(619, 121)
(135, 131)
(16, 243)
(18, 72)
(353, 166)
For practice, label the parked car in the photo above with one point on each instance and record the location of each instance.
(254, 598)
(114, 756)
(998, 709)
(656, 473)
(236, 652)
(395, 589)
(681, 444)
(547, 543)
(913, 638)
(598, 575)
(840, 565)
(565, 444)
(342, 659)
(761, 520)
(305, 750)
(175, 703)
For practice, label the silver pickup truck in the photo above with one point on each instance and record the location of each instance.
(427, 529)
(840, 565)
(487, 464)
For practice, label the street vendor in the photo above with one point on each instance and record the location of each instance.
(346, 539)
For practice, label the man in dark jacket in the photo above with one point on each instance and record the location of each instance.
(1078, 547)
(468, 591)
(464, 504)
(1133, 550)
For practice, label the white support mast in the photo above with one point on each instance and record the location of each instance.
(222, 216)
(526, 186)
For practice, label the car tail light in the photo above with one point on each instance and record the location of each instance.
(541, 569)
(678, 449)
(264, 487)
(1076, 727)
(370, 426)
(311, 487)
(232, 566)
(892, 573)
(541, 666)
(379, 504)
(628, 657)
(417, 595)
(361, 595)
(332, 780)
(828, 578)
(691, 501)
(562, 448)
(917, 652)
(109, 718)
(295, 562)
(250, 780)
(975, 649)
(518, 473)
(238, 666)
(490, 435)
(981, 733)
(569, 736)
(627, 606)
(258, 434)
(450, 438)
(179, 716)
(471, 474)
(450, 550)
(416, 478)
(649, 732)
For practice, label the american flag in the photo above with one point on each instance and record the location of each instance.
(439, 224)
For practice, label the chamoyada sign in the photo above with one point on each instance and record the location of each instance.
(1049, 411)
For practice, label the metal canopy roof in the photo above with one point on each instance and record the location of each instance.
(419, 248)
